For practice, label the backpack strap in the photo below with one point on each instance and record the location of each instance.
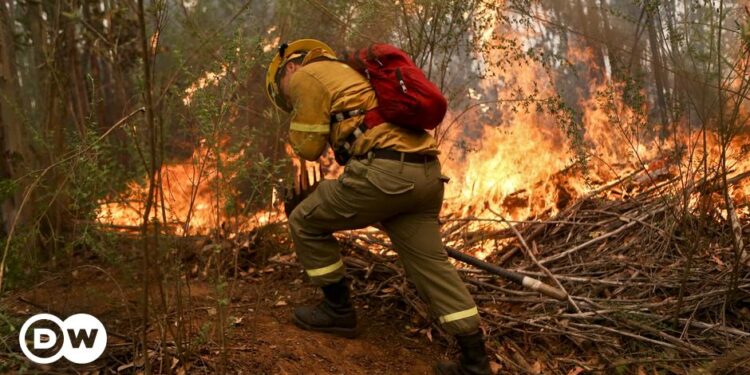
(344, 151)
(345, 115)
(372, 119)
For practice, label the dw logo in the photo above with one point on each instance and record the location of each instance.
(81, 338)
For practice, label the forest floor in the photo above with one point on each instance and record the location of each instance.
(259, 284)
(260, 339)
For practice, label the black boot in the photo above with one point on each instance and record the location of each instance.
(335, 314)
(474, 360)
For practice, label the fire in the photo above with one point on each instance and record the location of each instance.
(191, 200)
(522, 168)
(519, 160)
(210, 78)
(512, 168)
(506, 160)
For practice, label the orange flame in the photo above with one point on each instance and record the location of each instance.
(518, 169)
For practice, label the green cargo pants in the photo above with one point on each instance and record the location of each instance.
(406, 199)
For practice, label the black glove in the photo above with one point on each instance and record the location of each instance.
(300, 189)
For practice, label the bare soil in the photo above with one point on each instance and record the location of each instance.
(260, 338)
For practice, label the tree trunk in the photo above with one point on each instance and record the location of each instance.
(657, 68)
(11, 118)
(674, 56)
(595, 30)
(608, 37)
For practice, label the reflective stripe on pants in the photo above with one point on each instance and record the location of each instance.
(406, 199)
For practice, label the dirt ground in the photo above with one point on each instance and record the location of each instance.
(261, 338)
(276, 346)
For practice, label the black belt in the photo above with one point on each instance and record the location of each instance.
(391, 154)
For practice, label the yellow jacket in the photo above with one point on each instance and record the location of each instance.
(316, 90)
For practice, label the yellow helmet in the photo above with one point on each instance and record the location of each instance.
(285, 53)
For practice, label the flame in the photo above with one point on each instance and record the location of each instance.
(269, 42)
(522, 168)
(507, 160)
(209, 78)
(190, 201)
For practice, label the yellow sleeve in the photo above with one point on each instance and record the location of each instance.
(310, 126)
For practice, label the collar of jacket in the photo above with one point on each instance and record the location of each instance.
(317, 54)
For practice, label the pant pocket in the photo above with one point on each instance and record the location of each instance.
(314, 208)
(388, 183)
(308, 206)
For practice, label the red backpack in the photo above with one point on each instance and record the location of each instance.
(405, 96)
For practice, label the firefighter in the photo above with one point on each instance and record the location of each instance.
(392, 177)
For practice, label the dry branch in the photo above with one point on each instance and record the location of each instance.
(620, 262)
